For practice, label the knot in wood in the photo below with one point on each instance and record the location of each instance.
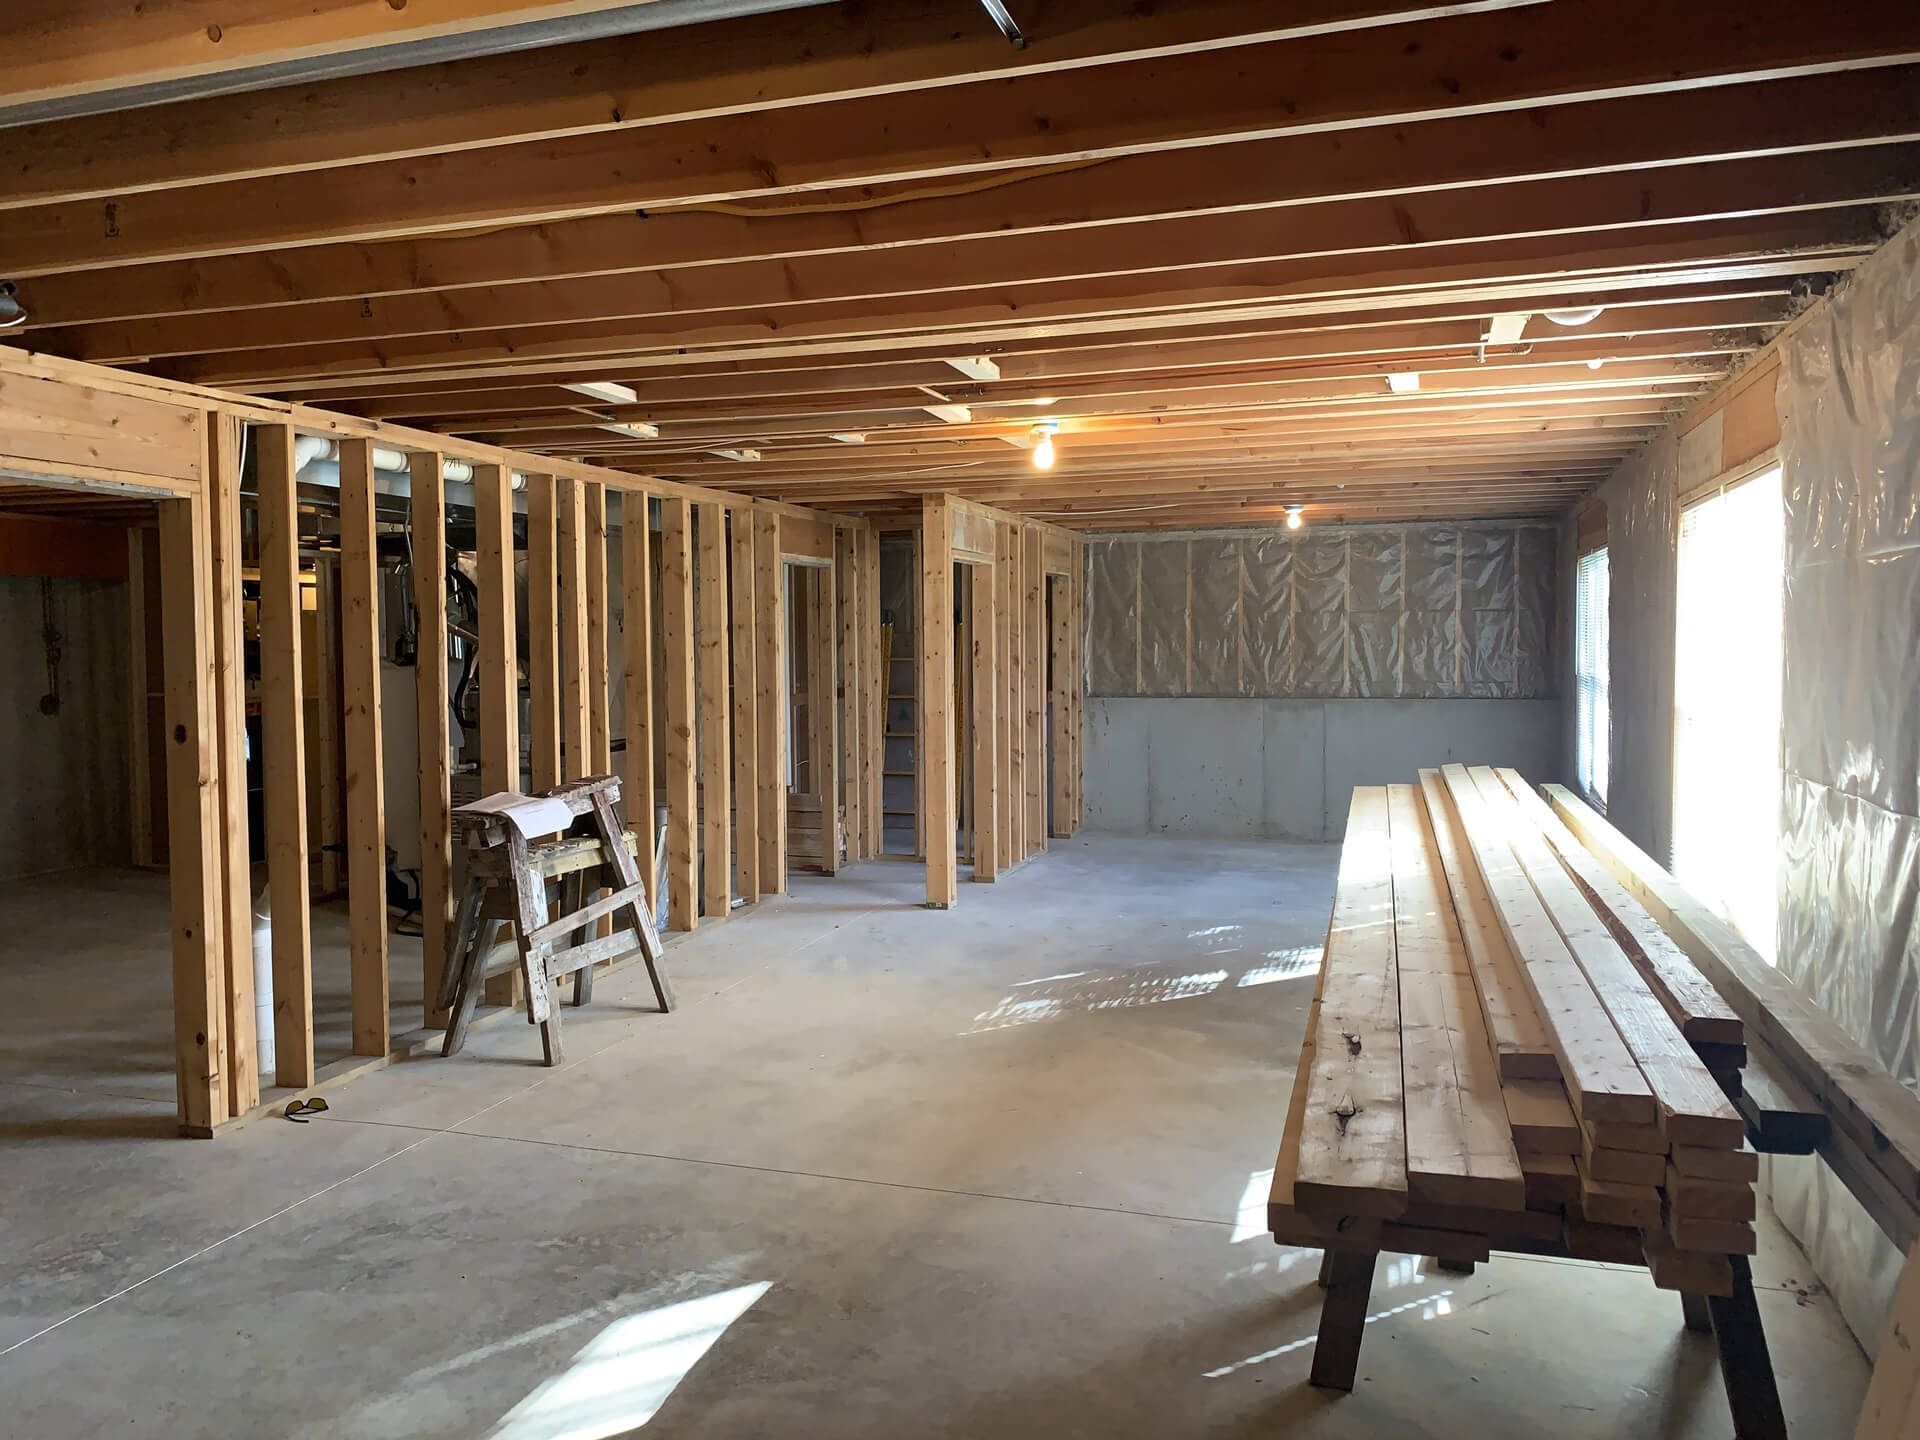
(1353, 1041)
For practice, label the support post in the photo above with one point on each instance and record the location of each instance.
(716, 807)
(770, 708)
(599, 722)
(499, 656)
(224, 443)
(983, 626)
(428, 504)
(746, 700)
(283, 735)
(936, 697)
(676, 633)
(873, 755)
(636, 579)
(823, 714)
(366, 793)
(543, 634)
(193, 819)
(1034, 683)
(576, 728)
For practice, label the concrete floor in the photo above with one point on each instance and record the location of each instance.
(888, 1172)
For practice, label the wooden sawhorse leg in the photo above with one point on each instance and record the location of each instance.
(1694, 1313)
(1745, 1365)
(1343, 1317)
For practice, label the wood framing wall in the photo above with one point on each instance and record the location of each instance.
(717, 631)
(1012, 654)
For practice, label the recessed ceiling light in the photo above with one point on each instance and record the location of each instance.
(1584, 315)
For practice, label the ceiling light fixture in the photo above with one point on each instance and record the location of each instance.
(1295, 516)
(977, 367)
(1572, 319)
(1043, 434)
(605, 390)
(1403, 382)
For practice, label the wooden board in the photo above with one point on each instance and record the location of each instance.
(985, 693)
(428, 513)
(1892, 1407)
(1512, 1022)
(1692, 1108)
(743, 616)
(1540, 1118)
(193, 821)
(283, 759)
(543, 633)
(1459, 1148)
(1881, 1117)
(771, 705)
(676, 638)
(935, 690)
(1353, 1150)
(1600, 1075)
(1694, 1005)
(365, 773)
(225, 442)
(636, 637)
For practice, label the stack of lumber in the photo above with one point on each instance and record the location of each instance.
(1808, 1085)
(1507, 1051)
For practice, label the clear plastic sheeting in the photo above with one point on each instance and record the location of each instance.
(1643, 536)
(1850, 808)
(1374, 611)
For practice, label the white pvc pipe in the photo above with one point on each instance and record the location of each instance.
(308, 448)
(266, 1064)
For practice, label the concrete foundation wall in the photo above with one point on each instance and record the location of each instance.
(1286, 768)
(63, 777)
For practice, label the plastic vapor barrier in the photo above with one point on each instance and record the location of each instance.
(1377, 611)
(1850, 805)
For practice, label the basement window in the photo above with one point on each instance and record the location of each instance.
(1590, 666)
(1727, 677)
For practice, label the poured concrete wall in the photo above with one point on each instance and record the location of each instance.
(1287, 768)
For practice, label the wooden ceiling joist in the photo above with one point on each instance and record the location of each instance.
(1237, 254)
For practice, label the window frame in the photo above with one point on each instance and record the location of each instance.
(1599, 730)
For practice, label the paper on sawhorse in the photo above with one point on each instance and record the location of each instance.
(531, 815)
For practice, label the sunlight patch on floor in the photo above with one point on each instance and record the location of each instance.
(625, 1374)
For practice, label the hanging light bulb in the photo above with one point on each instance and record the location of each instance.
(1043, 445)
(1295, 519)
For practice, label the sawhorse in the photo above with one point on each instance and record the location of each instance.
(507, 880)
